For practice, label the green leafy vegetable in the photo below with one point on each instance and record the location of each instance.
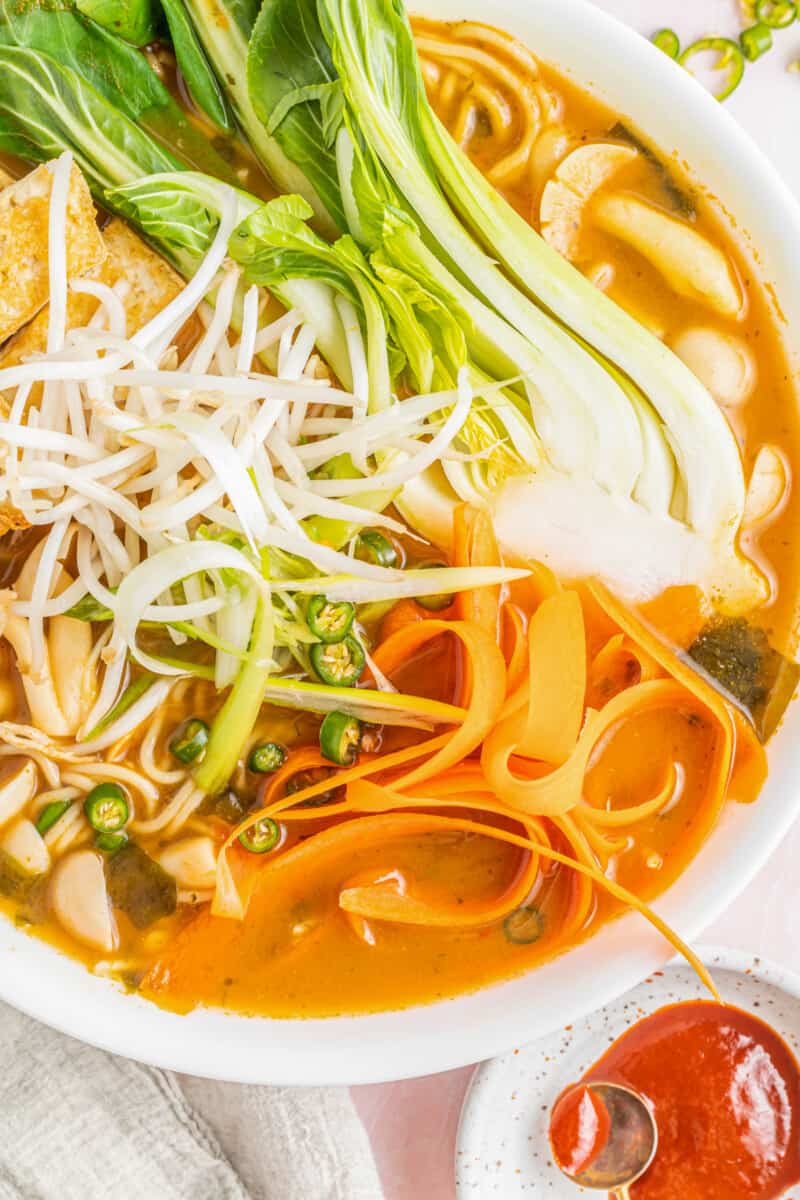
(136, 21)
(194, 66)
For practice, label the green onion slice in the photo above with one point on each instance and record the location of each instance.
(266, 757)
(340, 664)
(106, 808)
(524, 926)
(50, 814)
(755, 41)
(329, 620)
(189, 743)
(375, 547)
(776, 14)
(730, 58)
(340, 738)
(668, 41)
(264, 835)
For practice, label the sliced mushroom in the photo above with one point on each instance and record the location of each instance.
(767, 486)
(17, 791)
(192, 862)
(79, 900)
(721, 361)
(691, 265)
(64, 693)
(575, 181)
(23, 842)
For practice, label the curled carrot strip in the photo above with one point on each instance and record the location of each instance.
(561, 790)
(306, 758)
(557, 679)
(488, 669)
(742, 766)
(515, 647)
(474, 545)
(616, 817)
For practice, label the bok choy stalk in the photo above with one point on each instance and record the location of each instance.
(625, 433)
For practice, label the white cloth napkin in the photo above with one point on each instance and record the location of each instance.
(79, 1124)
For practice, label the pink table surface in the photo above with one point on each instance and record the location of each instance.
(412, 1125)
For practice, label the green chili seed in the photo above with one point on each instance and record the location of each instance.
(668, 41)
(439, 601)
(189, 742)
(264, 835)
(776, 14)
(340, 738)
(374, 547)
(266, 757)
(329, 620)
(730, 58)
(50, 814)
(111, 842)
(341, 664)
(524, 926)
(755, 41)
(106, 808)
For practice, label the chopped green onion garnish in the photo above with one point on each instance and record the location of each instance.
(755, 41)
(264, 835)
(374, 547)
(50, 814)
(89, 609)
(189, 743)
(668, 41)
(777, 14)
(340, 738)
(438, 602)
(106, 808)
(730, 57)
(111, 842)
(266, 757)
(341, 664)
(524, 925)
(329, 620)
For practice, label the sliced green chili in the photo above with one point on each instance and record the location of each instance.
(340, 664)
(50, 814)
(189, 743)
(264, 835)
(106, 808)
(111, 842)
(439, 601)
(755, 41)
(374, 547)
(668, 41)
(731, 56)
(266, 757)
(776, 14)
(340, 738)
(524, 926)
(330, 620)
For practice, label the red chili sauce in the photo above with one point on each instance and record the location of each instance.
(579, 1129)
(725, 1091)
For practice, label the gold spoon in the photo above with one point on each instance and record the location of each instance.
(631, 1145)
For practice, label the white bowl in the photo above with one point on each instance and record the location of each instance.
(638, 81)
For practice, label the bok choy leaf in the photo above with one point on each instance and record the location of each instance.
(136, 21)
(195, 68)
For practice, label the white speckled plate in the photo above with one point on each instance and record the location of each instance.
(502, 1147)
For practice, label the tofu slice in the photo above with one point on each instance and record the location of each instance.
(24, 210)
(150, 285)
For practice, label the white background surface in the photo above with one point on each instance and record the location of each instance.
(412, 1125)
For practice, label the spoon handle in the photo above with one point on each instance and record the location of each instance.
(622, 1193)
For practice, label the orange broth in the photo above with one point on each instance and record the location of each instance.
(297, 953)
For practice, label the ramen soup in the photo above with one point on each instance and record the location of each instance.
(398, 560)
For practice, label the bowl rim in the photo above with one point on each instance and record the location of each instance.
(60, 992)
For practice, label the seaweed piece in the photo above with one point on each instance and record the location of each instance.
(681, 201)
(738, 657)
(139, 887)
(15, 882)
